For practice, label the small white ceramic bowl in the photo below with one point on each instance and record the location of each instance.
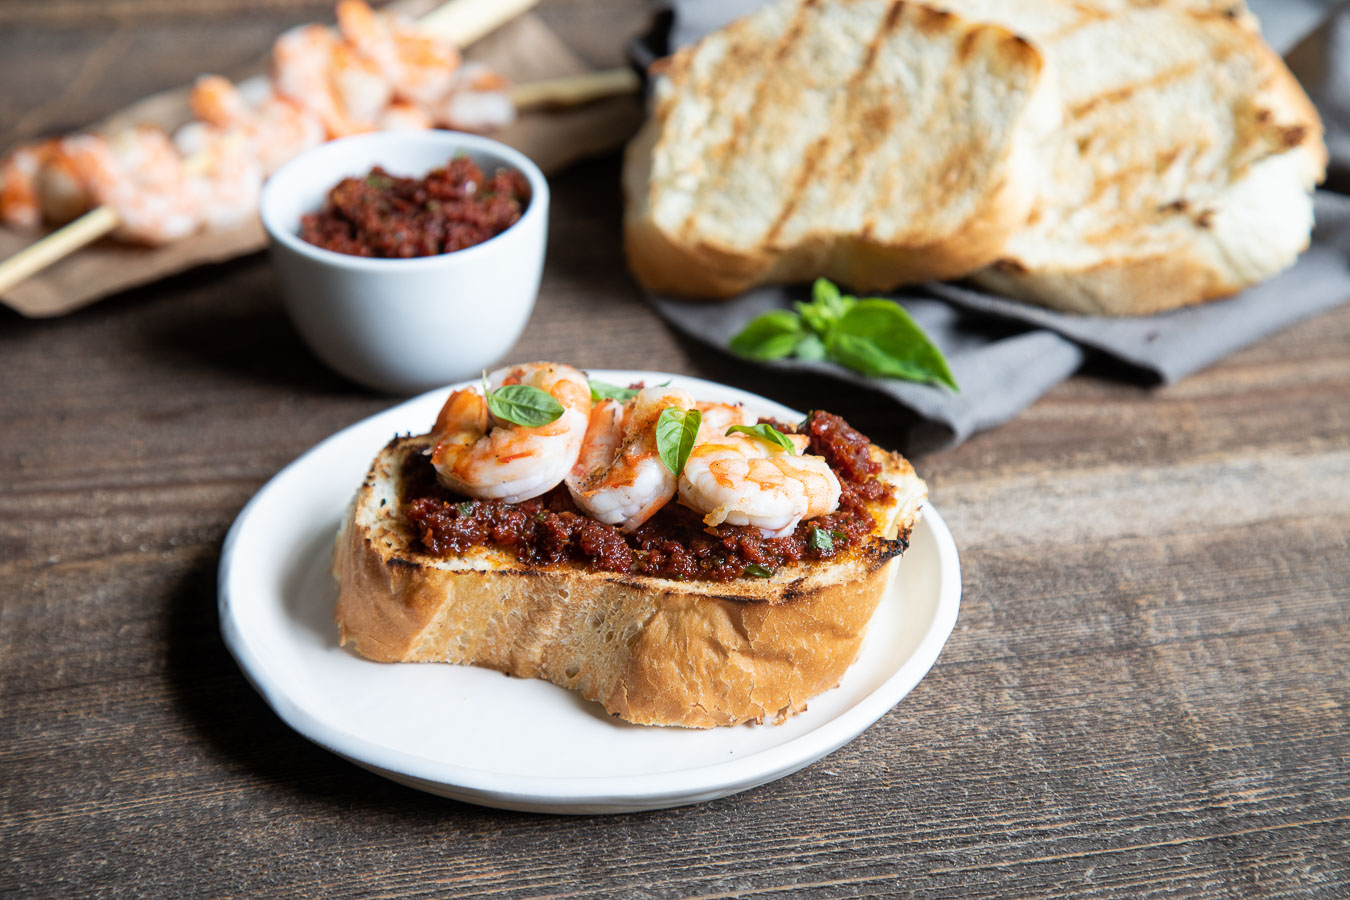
(405, 325)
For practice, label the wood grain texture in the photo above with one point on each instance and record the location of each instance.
(1145, 696)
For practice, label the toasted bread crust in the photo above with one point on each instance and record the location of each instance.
(650, 650)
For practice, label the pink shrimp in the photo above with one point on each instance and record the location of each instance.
(302, 64)
(404, 116)
(20, 203)
(619, 477)
(276, 128)
(138, 173)
(227, 179)
(419, 67)
(478, 101)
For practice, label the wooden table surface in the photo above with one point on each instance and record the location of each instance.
(1146, 693)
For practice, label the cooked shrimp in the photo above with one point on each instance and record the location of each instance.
(20, 203)
(619, 478)
(362, 90)
(718, 417)
(404, 116)
(139, 174)
(497, 460)
(741, 480)
(228, 179)
(218, 102)
(478, 100)
(63, 192)
(276, 128)
(420, 68)
(302, 71)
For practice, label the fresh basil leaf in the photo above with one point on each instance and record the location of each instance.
(601, 390)
(825, 308)
(766, 433)
(861, 355)
(821, 540)
(811, 348)
(675, 432)
(832, 301)
(773, 335)
(877, 337)
(759, 571)
(824, 292)
(817, 318)
(465, 508)
(523, 404)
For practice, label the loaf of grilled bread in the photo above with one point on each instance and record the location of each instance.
(1184, 167)
(872, 142)
(651, 650)
(1112, 157)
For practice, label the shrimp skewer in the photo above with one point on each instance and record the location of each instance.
(384, 76)
(619, 478)
(137, 173)
(741, 480)
(498, 460)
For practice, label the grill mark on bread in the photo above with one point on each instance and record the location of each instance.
(817, 151)
(1293, 135)
(1087, 15)
(1125, 92)
(745, 125)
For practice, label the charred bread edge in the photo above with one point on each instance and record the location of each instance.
(650, 650)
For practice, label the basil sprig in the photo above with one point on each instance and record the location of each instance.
(759, 571)
(601, 390)
(873, 336)
(675, 432)
(766, 433)
(522, 404)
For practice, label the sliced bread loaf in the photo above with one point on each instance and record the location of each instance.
(1184, 168)
(873, 142)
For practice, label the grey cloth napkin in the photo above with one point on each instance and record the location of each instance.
(1006, 354)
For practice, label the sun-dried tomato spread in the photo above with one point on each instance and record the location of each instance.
(387, 216)
(674, 543)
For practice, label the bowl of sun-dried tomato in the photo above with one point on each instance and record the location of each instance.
(408, 260)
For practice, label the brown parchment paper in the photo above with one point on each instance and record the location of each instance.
(524, 50)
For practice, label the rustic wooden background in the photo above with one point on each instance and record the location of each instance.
(1146, 693)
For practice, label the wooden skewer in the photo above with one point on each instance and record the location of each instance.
(459, 21)
(574, 90)
(60, 243)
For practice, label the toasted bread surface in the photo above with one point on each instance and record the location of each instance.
(1184, 167)
(874, 142)
(651, 650)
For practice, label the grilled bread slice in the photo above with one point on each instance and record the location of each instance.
(873, 142)
(1184, 168)
(650, 650)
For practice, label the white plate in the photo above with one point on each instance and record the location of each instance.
(477, 736)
